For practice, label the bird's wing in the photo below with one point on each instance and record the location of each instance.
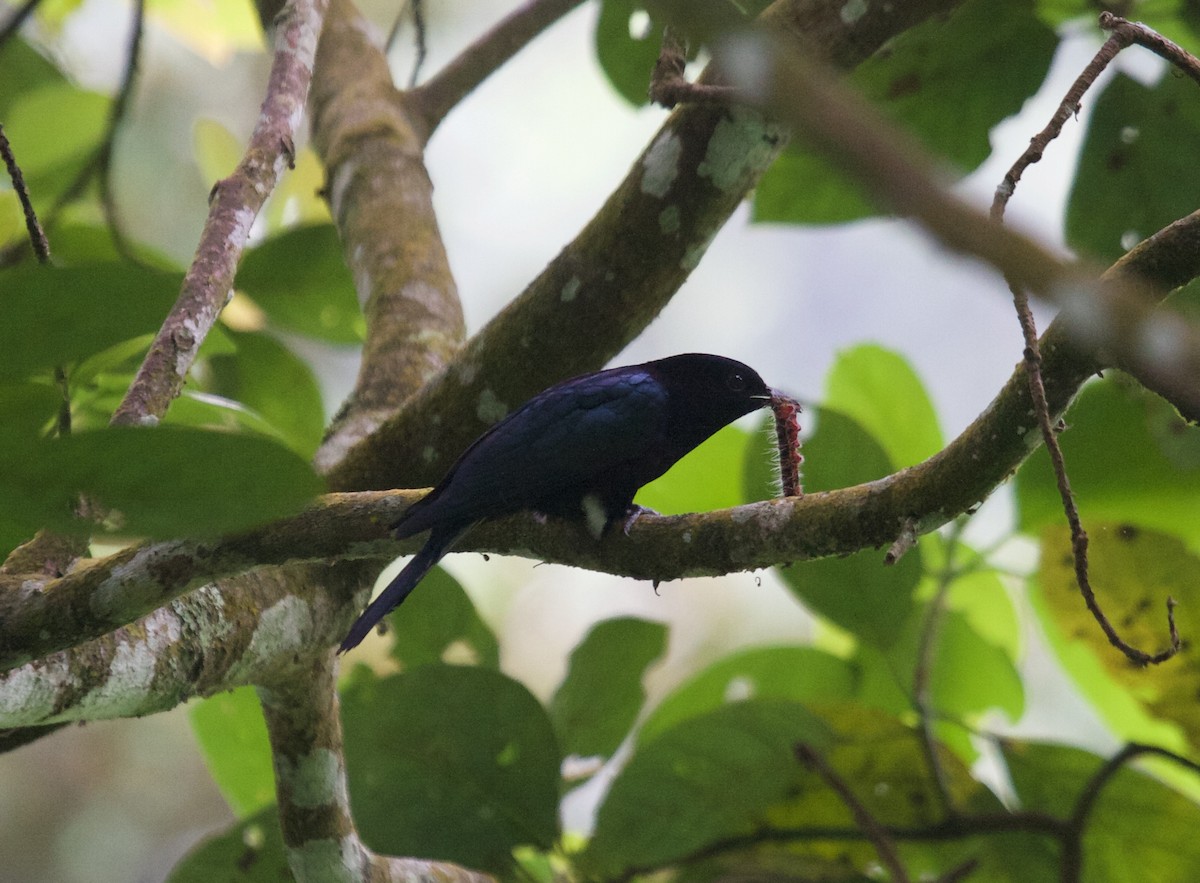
(569, 436)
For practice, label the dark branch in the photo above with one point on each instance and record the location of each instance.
(481, 59)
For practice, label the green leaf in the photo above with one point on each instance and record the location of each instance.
(627, 60)
(733, 773)
(300, 280)
(451, 762)
(269, 378)
(1131, 459)
(708, 478)
(56, 316)
(26, 410)
(801, 674)
(232, 735)
(1139, 828)
(919, 83)
(857, 592)
(879, 389)
(22, 70)
(440, 624)
(706, 779)
(1133, 179)
(80, 243)
(250, 851)
(602, 694)
(54, 129)
(1133, 572)
(160, 482)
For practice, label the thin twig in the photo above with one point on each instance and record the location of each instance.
(1123, 35)
(875, 832)
(236, 202)
(669, 86)
(439, 95)
(37, 236)
(1138, 33)
(923, 672)
(1072, 858)
(904, 543)
(116, 114)
(418, 14)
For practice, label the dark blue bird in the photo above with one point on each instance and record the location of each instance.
(580, 449)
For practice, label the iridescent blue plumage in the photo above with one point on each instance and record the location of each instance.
(580, 449)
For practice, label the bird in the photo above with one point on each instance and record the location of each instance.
(580, 449)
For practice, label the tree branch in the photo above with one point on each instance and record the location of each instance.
(380, 195)
(1116, 317)
(249, 629)
(235, 203)
(481, 59)
(622, 268)
(305, 729)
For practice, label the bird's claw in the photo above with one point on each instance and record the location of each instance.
(632, 514)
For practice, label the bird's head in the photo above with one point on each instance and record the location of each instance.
(707, 392)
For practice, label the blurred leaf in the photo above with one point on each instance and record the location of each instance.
(857, 592)
(22, 70)
(969, 676)
(1133, 571)
(440, 624)
(1117, 464)
(1133, 179)
(296, 199)
(251, 851)
(269, 378)
(54, 129)
(981, 599)
(450, 762)
(300, 280)
(86, 244)
(708, 778)
(708, 478)
(202, 410)
(1139, 829)
(217, 150)
(733, 773)
(602, 694)
(26, 409)
(879, 389)
(215, 29)
(1178, 21)
(627, 59)
(801, 674)
(918, 82)
(55, 316)
(232, 736)
(159, 482)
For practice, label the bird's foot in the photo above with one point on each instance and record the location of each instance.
(632, 514)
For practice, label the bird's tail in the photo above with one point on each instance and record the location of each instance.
(440, 539)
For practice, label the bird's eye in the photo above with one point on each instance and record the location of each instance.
(736, 382)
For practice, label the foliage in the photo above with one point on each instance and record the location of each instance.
(916, 671)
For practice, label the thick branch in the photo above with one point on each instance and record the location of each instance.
(381, 197)
(248, 629)
(619, 272)
(482, 58)
(235, 202)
